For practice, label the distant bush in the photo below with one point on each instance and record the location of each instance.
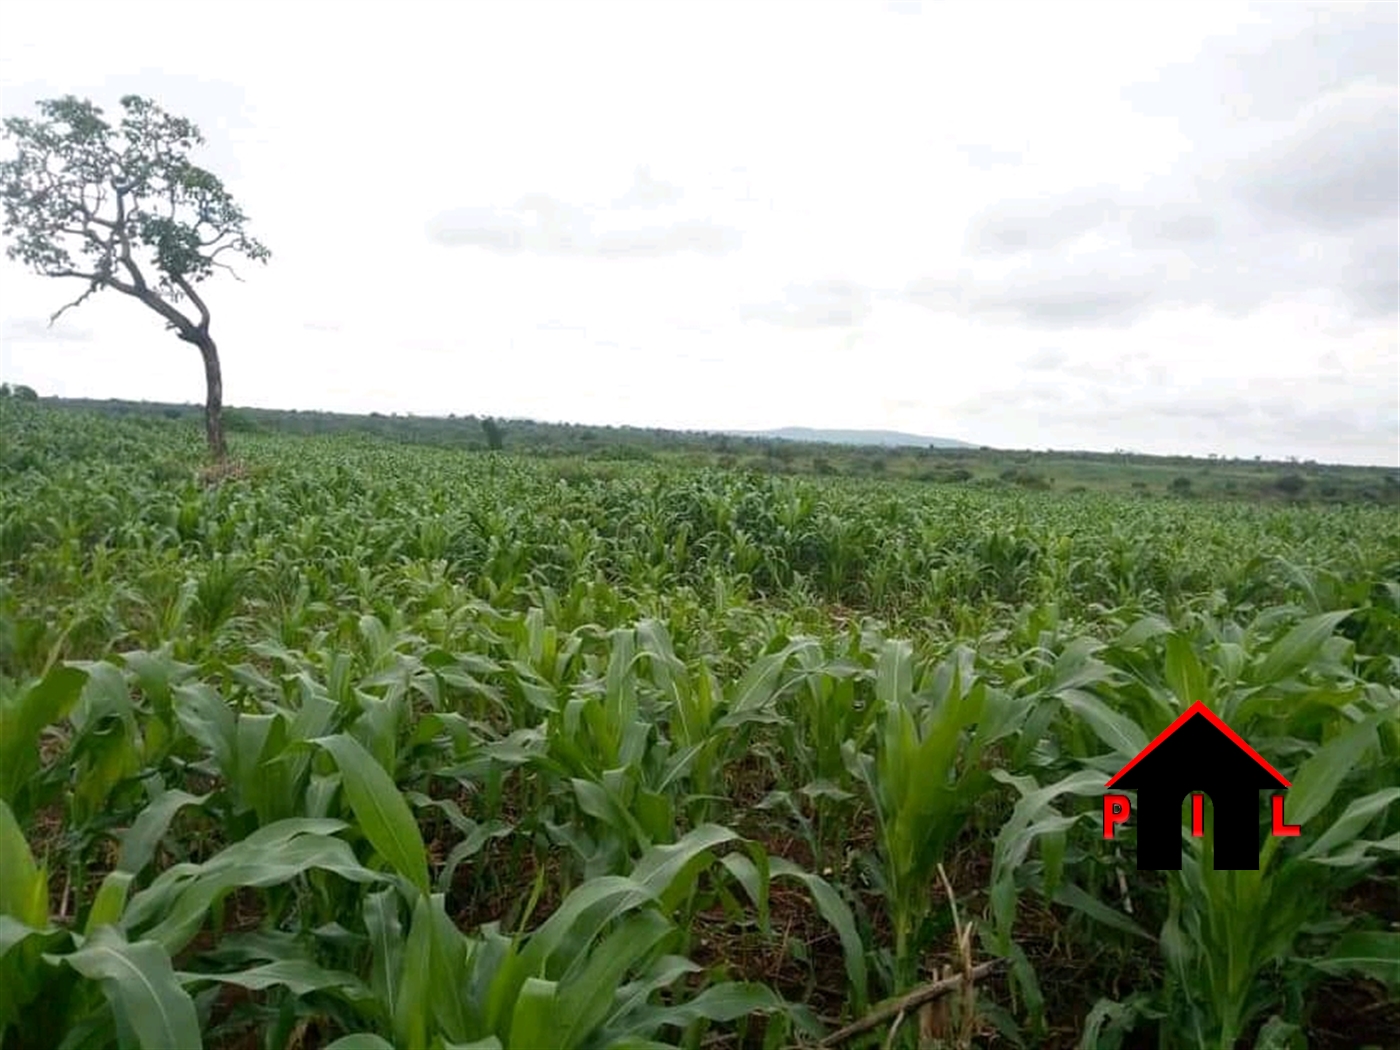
(1290, 484)
(822, 465)
(1025, 478)
(1181, 486)
(946, 476)
(236, 422)
(622, 453)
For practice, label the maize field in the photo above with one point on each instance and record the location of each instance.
(366, 746)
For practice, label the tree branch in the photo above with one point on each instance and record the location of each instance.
(231, 271)
(188, 289)
(95, 285)
(120, 232)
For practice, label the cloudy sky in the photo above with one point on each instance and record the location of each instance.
(1169, 228)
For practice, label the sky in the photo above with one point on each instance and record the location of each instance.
(1168, 228)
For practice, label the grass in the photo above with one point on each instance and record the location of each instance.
(366, 744)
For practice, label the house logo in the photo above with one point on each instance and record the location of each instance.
(1197, 755)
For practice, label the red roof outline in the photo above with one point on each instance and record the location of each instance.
(1199, 708)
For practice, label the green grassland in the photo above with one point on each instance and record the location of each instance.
(371, 741)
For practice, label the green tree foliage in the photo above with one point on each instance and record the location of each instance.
(122, 206)
(495, 437)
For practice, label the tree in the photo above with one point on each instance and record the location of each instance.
(495, 440)
(123, 207)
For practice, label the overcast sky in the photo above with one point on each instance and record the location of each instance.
(1170, 228)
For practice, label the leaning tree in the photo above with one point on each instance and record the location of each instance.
(123, 207)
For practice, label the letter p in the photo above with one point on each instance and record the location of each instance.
(1115, 811)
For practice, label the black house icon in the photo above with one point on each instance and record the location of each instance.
(1198, 752)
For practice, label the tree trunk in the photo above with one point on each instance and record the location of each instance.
(214, 402)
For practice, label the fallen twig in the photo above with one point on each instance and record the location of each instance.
(892, 1008)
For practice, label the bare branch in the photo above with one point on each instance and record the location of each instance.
(94, 286)
(231, 271)
(210, 244)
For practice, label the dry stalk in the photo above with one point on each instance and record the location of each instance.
(909, 1001)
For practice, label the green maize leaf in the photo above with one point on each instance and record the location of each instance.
(1072, 896)
(753, 873)
(1116, 730)
(299, 976)
(1278, 1034)
(381, 918)
(1141, 632)
(110, 901)
(380, 809)
(179, 898)
(1184, 672)
(1109, 1022)
(663, 973)
(586, 997)
(1320, 775)
(1358, 852)
(838, 914)
(670, 871)
(1374, 953)
(414, 1009)
(156, 673)
(1295, 649)
(455, 1014)
(1354, 819)
(756, 689)
(538, 1019)
(24, 887)
(552, 948)
(140, 841)
(894, 673)
(141, 986)
(24, 974)
(205, 716)
(719, 1002)
(23, 717)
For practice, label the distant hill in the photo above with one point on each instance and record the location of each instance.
(887, 438)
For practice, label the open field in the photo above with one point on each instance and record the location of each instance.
(1177, 477)
(369, 744)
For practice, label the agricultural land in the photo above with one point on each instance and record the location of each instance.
(378, 737)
